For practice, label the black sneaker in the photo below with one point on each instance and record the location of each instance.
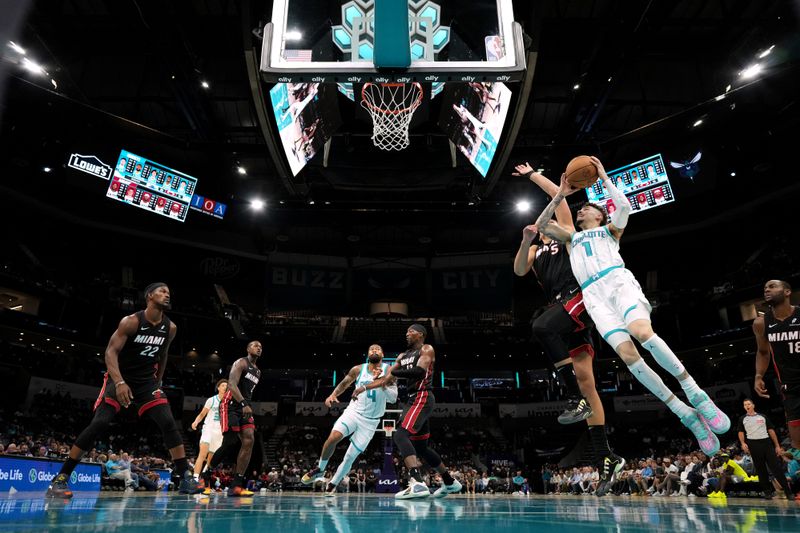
(311, 476)
(577, 411)
(59, 488)
(609, 468)
(189, 485)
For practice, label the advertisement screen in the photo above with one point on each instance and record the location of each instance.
(151, 186)
(473, 117)
(306, 114)
(644, 183)
(24, 474)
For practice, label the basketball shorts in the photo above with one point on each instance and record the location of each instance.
(146, 394)
(416, 415)
(231, 417)
(359, 428)
(791, 404)
(613, 302)
(211, 435)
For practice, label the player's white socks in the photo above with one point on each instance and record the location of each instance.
(665, 357)
(350, 457)
(647, 377)
(322, 464)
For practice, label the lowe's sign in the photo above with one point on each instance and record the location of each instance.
(26, 474)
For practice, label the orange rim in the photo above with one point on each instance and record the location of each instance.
(372, 107)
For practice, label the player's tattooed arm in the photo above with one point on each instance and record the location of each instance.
(385, 381)
(562, 212)
(343, 385)
(762, 357)
(544, 223)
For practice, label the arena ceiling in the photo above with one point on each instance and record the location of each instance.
(618, 78)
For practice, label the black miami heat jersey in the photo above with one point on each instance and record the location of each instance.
(784, 343)
(248, 380)
(139, 358)
(408, 360)
(553, 270)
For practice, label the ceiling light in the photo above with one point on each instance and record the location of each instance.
(523, 206)
(697, 122)
(733, 175)
(292, 35)
(762, 55)
(17, 48)
(311, 202)
(47, 169)
(751, 72)
(32, 66)
(204, 84)
(241, 170)
(256, 204)
(728, 87)
(576, 86)
(53, 82)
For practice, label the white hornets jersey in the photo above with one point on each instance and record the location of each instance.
(372, 403)
(595, 253)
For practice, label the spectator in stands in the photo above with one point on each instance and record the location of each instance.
(12, 449)
(116, 471)
(470, 478)
(361, 481)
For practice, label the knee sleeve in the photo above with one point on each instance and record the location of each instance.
(163, 418)
(102, 418)
(403, 442)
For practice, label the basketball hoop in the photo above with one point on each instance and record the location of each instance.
(388, 430)
(391, 106)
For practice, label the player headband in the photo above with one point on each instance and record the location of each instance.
(153, 286)
(419, 328)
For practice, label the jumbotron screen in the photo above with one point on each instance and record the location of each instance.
(151, 186)
(645, 183)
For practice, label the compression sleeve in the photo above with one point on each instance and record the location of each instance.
(623, 207)
(416, 372)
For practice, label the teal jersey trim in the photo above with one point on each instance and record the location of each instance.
(598, 276)
(618, 330)
(628, 310)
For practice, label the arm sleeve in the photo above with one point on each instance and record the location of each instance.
(623, 207)
(411, 373)
(391, 393)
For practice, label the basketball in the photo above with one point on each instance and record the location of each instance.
(581, 172)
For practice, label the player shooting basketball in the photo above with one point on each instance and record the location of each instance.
(618, 307)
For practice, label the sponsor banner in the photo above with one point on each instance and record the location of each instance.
(26, 474)
(624, 404)
(318, 409)
(457, 410)
(196, 403)
(721, 394)
(482, 288)
(536, 410)
(207, 206)
(89, 164)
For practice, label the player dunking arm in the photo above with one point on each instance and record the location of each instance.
(778, 334)
(236, 417)
(359, 421)
(416, 365)
(618, 307)
(296, 107)
(136, 358)
(564, 327)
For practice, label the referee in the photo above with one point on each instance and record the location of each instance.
(757, 437)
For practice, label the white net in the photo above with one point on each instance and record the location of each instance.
(391, 106)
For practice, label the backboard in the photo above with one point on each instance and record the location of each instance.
(450, 40)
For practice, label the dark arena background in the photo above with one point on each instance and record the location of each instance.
(229, 151)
